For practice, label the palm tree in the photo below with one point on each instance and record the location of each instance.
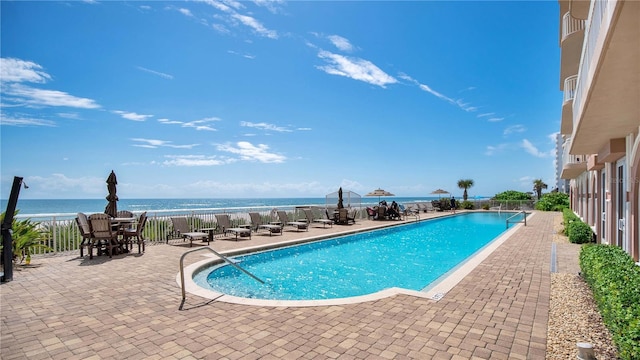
(465, 184)
(538, 185)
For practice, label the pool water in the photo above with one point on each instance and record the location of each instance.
(409, 256)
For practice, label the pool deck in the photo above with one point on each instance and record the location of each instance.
(67, 307)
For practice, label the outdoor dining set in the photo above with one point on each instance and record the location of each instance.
(111, 235)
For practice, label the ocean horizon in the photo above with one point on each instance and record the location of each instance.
(72, 206)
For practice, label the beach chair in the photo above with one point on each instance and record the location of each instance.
(225, 224)
(284, 219)
(182, 228)
(345, 216)
(308, 213)
(257, 224)
(408, 211)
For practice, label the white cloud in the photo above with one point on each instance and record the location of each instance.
(185, 12)
(32, 96)
(264, 126)
(486, 114)
(24, 121)
(531, 149)
(513, 129)
(250, 152)
(16, 70)
(355, 68)
(131, 115)
(200, 124)
(162, 75)
(255, 25)
(271, 5)
(340, 42)
(193, 160)
(492, 150)
(495, 119)
(153, 144)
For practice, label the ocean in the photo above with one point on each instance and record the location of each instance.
(89, 206)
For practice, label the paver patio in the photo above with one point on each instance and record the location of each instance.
(127, 307)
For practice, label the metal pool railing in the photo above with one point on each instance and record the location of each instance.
(524, 218)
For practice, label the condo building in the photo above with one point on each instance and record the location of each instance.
(600, 80)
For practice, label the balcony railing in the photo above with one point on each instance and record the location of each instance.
(571, 25)
(600, 17)
(570, 84)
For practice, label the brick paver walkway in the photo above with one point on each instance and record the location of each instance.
(127, 307)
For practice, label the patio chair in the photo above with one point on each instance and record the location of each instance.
(408, 211)
(257, 224)
(102, 235)
(85, 232)
(284, 219)
(344, 216)
(308, 213)
(182, 228)
(225, 224)
(135, 232)
(124, 214)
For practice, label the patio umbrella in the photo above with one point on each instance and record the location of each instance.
(439, 192)
(112, 198)
(340, 205)
(379, 192)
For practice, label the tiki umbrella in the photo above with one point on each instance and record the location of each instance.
(112, 198)
(379, 192)
(340, 205)
(439, 192)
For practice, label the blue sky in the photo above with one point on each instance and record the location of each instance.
(224, 99)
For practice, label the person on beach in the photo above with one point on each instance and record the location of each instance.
(453, 204)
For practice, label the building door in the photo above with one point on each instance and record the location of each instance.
(621, 205)
(603, 209)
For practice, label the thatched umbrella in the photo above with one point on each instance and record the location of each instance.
(112, 198)
(440, 192)
(379, 192)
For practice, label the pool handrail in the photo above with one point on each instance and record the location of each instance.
(524, 213)
(226, 259)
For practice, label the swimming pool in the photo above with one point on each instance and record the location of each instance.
(410, 256)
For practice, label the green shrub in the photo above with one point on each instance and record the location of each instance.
(580, 233)
(468, 205)
(512, 195)
(555, 201)
(577, 231)
(486, 207)
(615, 282)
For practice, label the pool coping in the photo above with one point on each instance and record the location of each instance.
(434, 292)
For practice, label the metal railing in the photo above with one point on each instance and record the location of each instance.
(599, 19)
(226, 259)
(571, 25)
(524, 218)
(61, 234)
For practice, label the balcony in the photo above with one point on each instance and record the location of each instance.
(571, 46)
(579, 8)
(566, 124)
(573, 166)
(606, 103)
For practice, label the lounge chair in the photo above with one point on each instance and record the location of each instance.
(257, 224)
(284, 219)
(308, 213)
(409, 211)
(135, 232)
(225, 224)
(182, 228)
